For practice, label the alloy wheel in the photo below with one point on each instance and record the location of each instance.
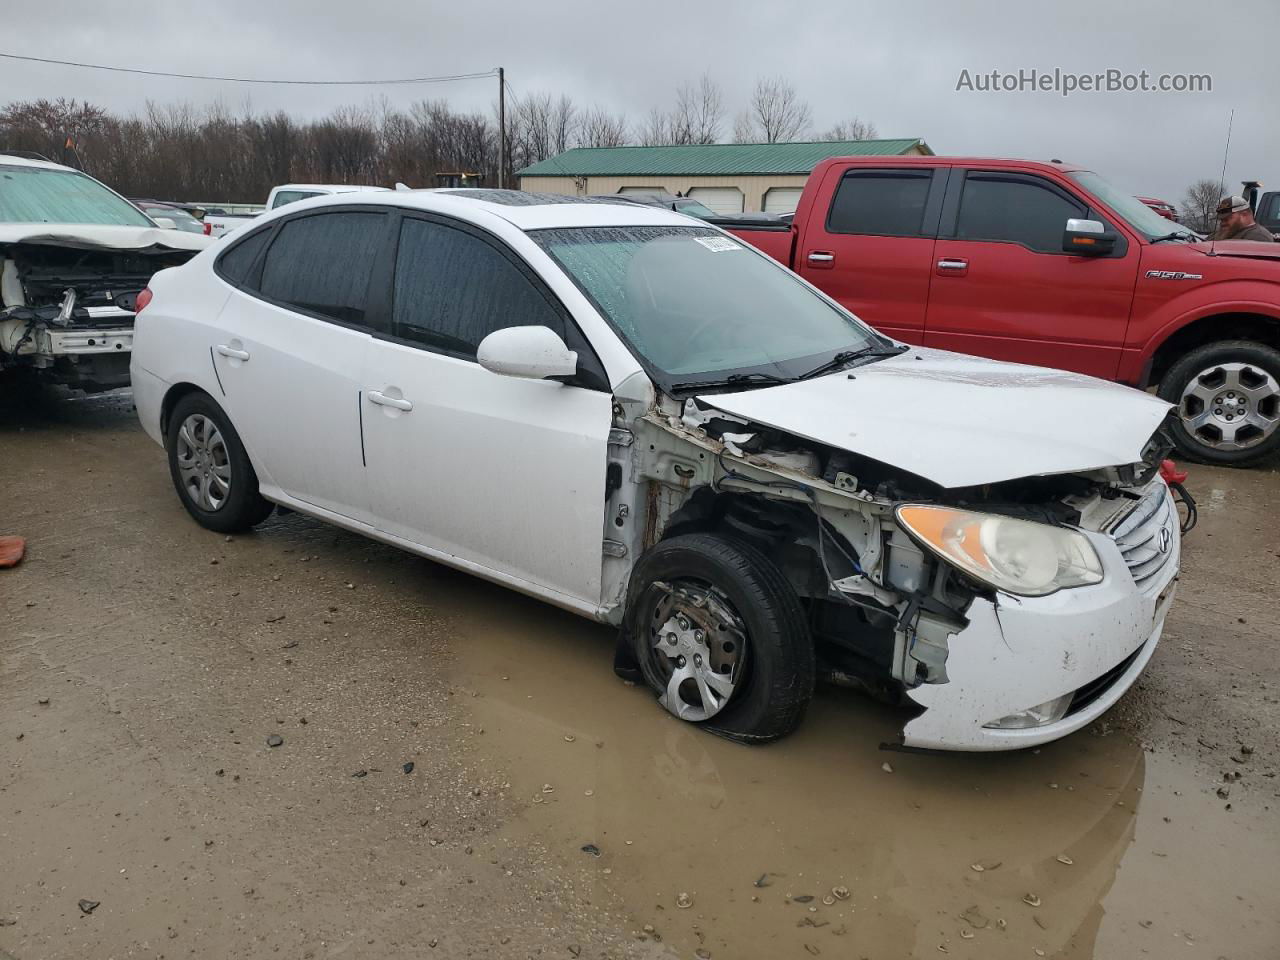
(1231, 406)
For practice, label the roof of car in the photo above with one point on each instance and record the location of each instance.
(525, 211)
(13, 160)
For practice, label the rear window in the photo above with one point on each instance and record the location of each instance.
(235, 263)
(885, 203)
(42, 195)
(322, 264)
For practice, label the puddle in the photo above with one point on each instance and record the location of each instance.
(672, 810)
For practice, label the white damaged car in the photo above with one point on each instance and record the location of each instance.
(638, 418)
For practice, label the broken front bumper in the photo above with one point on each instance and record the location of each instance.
(1083, 647)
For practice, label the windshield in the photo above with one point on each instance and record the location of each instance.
(181, 219)
(41, 195)
(693, 208)
(696, 305)
(1136, 213)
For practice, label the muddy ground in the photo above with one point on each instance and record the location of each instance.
(145, 662)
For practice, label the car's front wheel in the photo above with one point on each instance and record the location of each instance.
(210, 469)
(720, 637)
(1228, 399)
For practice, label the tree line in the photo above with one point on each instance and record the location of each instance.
(211, 153)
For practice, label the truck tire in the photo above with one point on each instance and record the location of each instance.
(210, 469)
(1228, 399)
(720, 637)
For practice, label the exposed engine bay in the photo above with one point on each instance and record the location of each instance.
(66, 309)
(882, 610)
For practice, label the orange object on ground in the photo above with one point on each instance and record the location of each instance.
(11, 551)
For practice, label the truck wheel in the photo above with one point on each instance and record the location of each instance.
(721, 638)
(210, 469)
(1228, 399)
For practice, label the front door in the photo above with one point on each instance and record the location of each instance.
(500, 473)
(869, 244)
(289, 349)
(1003, 287)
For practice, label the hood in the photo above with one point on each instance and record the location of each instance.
(960, 421)
(1252, 249)
(88, 236)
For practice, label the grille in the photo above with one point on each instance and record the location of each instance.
(1094, 689)
(1148, 533)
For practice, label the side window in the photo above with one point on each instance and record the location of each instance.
(322, 263)
(235, 263)
(884, 203)
(453, 289)
(290, 196)
(1014, 210)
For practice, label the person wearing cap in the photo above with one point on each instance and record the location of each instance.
(1235, 222)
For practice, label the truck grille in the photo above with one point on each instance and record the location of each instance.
(1148, 534)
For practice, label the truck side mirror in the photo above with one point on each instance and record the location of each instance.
(1088, 238)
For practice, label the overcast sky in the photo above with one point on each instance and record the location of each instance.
(895, 64)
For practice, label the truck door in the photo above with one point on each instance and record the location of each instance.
(1003, 287)
(868, 242)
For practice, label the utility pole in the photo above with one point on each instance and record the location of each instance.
(502, 128)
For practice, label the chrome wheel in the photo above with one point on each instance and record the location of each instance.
(1231, 406)
(698, 648)
(203, 462)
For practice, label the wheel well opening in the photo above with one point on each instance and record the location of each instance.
(176, 393)
(1225, 326)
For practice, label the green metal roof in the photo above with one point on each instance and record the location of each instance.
(715, 159)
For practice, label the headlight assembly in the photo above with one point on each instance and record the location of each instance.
(1017, 556)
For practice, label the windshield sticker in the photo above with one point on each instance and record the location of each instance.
(718, 244)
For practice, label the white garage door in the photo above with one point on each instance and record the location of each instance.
(655, 191)
(782, 199)
(719, 199)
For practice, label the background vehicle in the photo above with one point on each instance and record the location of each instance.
(73, 256)
(641, 419)
(1268, 212)
(217, 224)
(1047, 263)
(1162, 207)
(161, 212)
(686, 205)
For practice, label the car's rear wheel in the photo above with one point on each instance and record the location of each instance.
(721, 638)
(1228, 399)
(210, 469)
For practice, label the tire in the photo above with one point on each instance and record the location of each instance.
(752, 628)
(1246, 427)
(210, 441)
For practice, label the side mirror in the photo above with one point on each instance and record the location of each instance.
(166, 223)
(1088, 238)
(532, 352)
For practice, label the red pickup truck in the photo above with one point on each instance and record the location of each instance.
(1047, 263)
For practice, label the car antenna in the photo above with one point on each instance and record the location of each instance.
(1222, 181)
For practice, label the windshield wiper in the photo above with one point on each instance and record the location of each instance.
(846, 357)
(733, 380)
(1175, 235)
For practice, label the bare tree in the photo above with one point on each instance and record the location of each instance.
(776, 115)
(1200, 206)
(47, 126)
(655, 130)
(854, 129)
(699, 112)
(598, 127)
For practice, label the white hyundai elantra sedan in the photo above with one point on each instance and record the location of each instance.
(635, 416)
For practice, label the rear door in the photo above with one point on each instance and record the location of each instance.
(292, 343)
(869, 243)
(1003, 287)
(503, 473)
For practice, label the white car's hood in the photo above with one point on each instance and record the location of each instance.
(958, 420)
(94, 236)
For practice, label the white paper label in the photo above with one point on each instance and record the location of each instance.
(718, 244)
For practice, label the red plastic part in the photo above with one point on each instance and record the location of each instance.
(1169, 470)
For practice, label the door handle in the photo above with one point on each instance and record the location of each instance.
(953, 266)
(821, 256)
(382, 400)
(232, 352)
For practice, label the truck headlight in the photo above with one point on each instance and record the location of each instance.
(1017, 556)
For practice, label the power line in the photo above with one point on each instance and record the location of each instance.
(296, 83)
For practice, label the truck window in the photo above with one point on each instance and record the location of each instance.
(291, 196)
(886, 203)
(1014, 209)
